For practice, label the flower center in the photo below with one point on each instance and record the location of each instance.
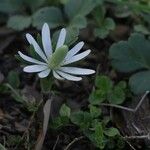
(57, 57)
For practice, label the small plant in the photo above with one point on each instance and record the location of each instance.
(106, 91)
(91, 123)
(132, 56)
(103, 24)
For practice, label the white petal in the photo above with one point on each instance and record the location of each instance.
(46, 40)
(37, 48)
(76, 57)
(77, 71)
(68, 76)
(35, 68)
(29, 59)
(61, 38)
(74, 50)
(44, 73)
(57, 76)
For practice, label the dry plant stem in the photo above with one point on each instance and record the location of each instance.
(130, 145)
(138, 137)
(126, 108)
(54, 147)
(72, 142)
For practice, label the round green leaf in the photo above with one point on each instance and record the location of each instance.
(19, 22)
(131, 55)
(51, 15)
(117, 96)
(65, 110)
(111, 132)
(140, 82)
(80, 7)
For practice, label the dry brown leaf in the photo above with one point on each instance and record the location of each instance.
(46, 110)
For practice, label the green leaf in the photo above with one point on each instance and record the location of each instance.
(131, 55)
(122, 11)
(97, 97)
(64, 1)
(99, 136)
(117, 96)
(11, 6)
(19, 22)
(82, 119)
(122, 85)
(95, 111)
(72, 35)
(51, 15)
(81, 7)
(34, 4)
(65, 111)
(101, 32)
(104, 83)
(59, 122)
(104, 86)
(111, 132)
(15, 94)
(140, 82)
(109, 24)
(99, 14)
(46, 84)
(13, 79)
(141, 29)
(78, 22)
(146, 17)
(103, 25)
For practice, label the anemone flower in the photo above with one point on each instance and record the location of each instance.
(55, 61)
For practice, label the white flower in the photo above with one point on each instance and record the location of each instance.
(55, 61)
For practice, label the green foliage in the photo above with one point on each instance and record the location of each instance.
(141, 29)
(91, 123)
(13, 79)
(133, 56)
(103, 24)
(106, 91)
(65, 111)
(46, 84)
(11, 6)
(19, 22)
(93, 127)
(111, 132)
(94, 111)
(51, 15)
(82, 118)
(62, 119)
(15, 93)
(34, 4)
(80, 8)
(98, 137)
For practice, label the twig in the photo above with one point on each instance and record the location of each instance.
(72, 142)
(126, 108)
(130, 145)
(54, 147)
(138, 137)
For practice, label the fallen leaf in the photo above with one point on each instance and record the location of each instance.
(46, 110)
